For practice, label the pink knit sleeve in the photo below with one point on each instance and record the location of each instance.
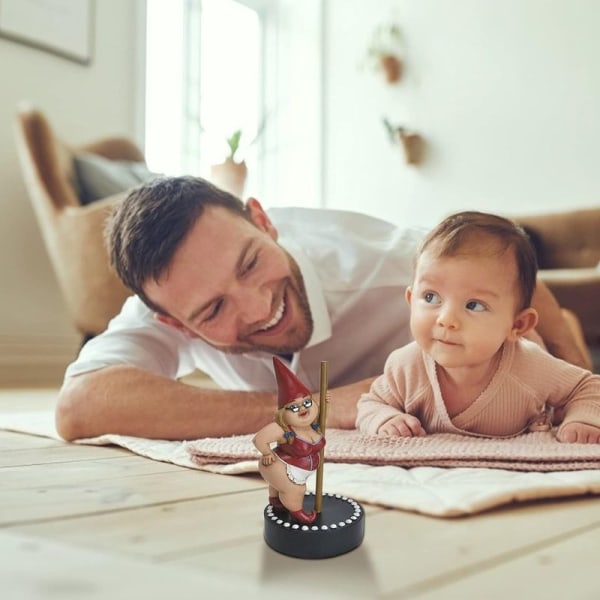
(387, 395)
(580, 400)
(573, 391)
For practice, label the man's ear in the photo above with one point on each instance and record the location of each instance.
(525, 321)
(172, 322)
(260, 218)
(408, 295)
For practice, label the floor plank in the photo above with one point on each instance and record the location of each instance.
(166, 531)
(566, 567)
(171, 532)
(456, 547)
(12, 440)
(252, 562)
(44, 478)
(34, 569)
(351, 575)
(404, 554)
(100, 522)
(56, 452)
(38, 493)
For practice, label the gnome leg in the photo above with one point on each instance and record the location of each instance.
(292, 497)
(274, 500)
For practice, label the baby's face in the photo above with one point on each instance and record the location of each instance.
(463, 307)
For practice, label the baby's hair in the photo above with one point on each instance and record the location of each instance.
(485, 234)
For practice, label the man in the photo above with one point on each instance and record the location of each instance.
(222, 288)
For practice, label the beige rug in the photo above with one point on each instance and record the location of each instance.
(441, 475)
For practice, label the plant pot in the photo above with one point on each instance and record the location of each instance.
(392, 67)
(230, 176)
(413, 145)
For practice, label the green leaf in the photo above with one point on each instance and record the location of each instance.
(234, 143)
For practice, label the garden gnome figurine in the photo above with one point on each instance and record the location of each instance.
(291, 445)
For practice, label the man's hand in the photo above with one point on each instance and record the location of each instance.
(579, 433)
(341, 406)
(559, 328)
(402, 426)
(127, 400)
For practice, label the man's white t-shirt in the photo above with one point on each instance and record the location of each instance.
(355, 269)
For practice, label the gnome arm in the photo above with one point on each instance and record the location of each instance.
(266, 436)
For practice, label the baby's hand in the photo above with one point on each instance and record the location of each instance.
(579, 433)
(402, 426)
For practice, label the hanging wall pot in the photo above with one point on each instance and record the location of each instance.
(413, 146)
(383, 53)
(412, 143)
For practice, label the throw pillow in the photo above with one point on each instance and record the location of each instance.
(99, 177)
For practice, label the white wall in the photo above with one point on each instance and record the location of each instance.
(82, 103)
(506, 94)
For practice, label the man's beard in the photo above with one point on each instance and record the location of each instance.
(298, 334)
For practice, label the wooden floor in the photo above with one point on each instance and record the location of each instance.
(99, 522)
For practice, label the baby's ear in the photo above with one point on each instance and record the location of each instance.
(524, 322)
(408, 295)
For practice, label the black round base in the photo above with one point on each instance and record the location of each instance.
(339, 528)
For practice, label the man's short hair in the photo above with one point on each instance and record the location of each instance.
(152, 222)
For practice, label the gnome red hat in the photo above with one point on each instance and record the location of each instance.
(289, 386)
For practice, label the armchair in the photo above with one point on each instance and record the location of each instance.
(568, 251)
(72, 232)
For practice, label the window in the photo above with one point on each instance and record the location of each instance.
(164, 89)
(217, 66)
(204, 81)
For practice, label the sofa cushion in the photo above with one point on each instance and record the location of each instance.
(98, 177)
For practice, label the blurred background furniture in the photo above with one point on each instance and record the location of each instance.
(72, 231)
(568, 251)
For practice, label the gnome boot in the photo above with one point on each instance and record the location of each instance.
(276, 503)
(304, 517)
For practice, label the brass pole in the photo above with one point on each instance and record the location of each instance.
(322, 421)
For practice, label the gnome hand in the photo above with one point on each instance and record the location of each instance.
(267, 459)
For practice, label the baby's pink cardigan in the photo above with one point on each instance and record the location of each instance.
(527, 379)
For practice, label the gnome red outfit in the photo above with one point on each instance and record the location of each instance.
(291, 445)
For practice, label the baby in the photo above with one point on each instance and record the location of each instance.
(469, 370)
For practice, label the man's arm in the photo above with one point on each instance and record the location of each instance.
(555, 330)
(341, 410)
(128, 400)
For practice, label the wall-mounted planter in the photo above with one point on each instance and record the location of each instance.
(392, 67)
(384, 51)
(413, 145)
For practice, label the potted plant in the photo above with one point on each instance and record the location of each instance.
(231, 174)
(383, 52)
(411, 142)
